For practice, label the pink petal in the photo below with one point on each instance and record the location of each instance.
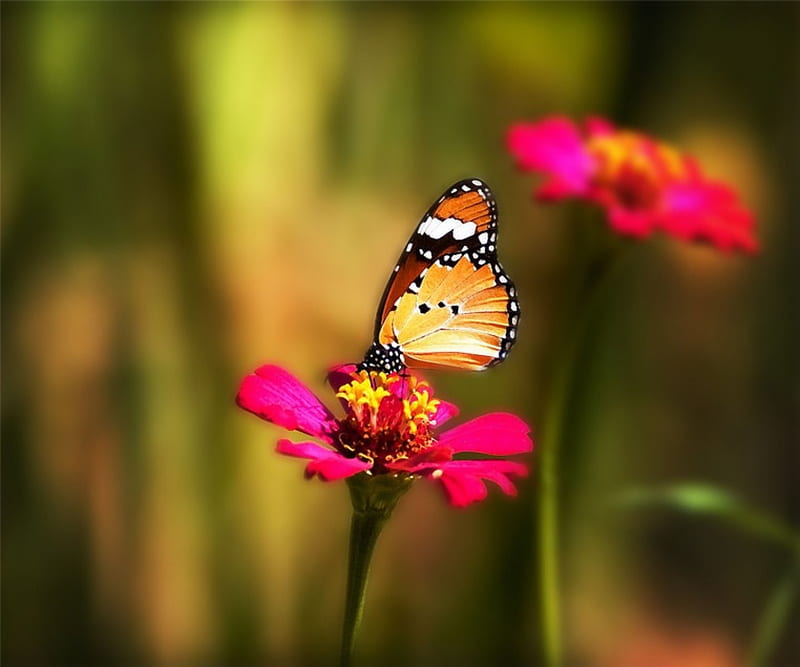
(278, 397)
(638, 223)
(400, 388)
(444, 412)
(555, 147)
(597, 126)
(554, 190)
(708, 211)
(495, 470)
(462, 490)
(329, 465)
(498, 433)
(341, 374)
(463, 480)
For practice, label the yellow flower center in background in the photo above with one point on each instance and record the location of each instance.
(634, 168)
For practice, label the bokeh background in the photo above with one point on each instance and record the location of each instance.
(191, 190)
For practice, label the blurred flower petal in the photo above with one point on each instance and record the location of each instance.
(553, 146)
(643, 185)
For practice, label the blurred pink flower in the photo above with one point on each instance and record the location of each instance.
(643, 185)
(389, 427)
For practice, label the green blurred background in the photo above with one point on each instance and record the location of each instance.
(190, 190)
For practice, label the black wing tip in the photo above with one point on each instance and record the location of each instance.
(470, 184)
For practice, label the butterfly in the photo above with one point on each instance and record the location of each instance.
(448, 303)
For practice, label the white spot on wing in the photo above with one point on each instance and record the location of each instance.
(436, 228)
(483, 237)
(464, 231)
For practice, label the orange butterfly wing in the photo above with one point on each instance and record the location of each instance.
(449, 303)
(470, 211)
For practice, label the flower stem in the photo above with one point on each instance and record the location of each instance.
(548, 525)
(373, 499)
(364, 531)
(588, 297)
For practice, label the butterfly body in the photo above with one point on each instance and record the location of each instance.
(448, 303)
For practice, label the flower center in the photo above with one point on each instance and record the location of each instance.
(632, 169)
(389, 417)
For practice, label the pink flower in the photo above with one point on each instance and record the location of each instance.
(643, 185)
(389, 427)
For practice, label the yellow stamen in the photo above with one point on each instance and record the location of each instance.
(365, 393)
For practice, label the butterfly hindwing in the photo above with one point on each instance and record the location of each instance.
(449, 303)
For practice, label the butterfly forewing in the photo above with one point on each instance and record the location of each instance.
(449, 302)
(452, 225)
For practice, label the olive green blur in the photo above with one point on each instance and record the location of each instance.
(190, 190)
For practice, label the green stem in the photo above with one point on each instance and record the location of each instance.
(548, 525)
(588, 298)
(364, 531)
(774, 617)
(373, 500)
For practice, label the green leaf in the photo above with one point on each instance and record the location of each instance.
(774, 618)
(704, 499)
